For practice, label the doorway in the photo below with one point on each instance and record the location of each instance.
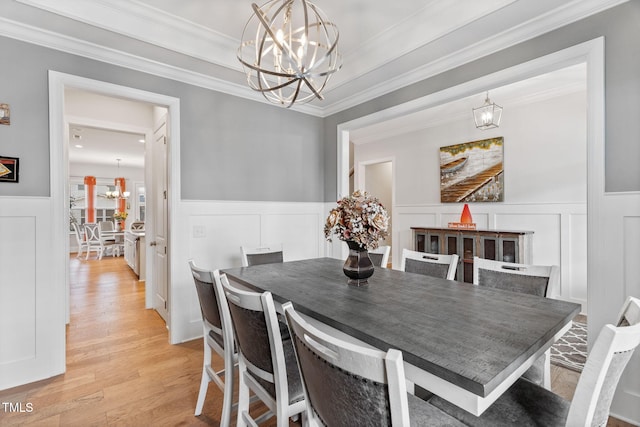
(589, 53)
(59, 134)
(377, 179)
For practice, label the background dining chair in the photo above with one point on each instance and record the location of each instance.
(80, 239)
(218, 336)
(107, 226)
(109, 242)
(347, 384)
(266, 254)
(437, 265)
(380, 256)
(267, 364)
(541, 280)
(92, 239)
(137, 226)
(527, 404)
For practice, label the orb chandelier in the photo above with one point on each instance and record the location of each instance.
(289, 50)
(488, 115)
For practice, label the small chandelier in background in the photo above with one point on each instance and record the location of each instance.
(118, 193)
(290, 51)
(488, 115)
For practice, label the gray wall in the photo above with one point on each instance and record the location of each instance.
(621, 28)
(235, 149)
(231, 148)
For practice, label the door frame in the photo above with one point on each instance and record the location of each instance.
(59, 157)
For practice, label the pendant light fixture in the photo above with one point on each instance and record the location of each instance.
(118, 193)
(289, 50)
(488, 115)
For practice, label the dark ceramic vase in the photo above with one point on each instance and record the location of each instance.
(358, 266)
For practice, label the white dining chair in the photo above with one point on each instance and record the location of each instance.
(380, 256)
(137, 226)
(346, 384)
(218, 336)
(541, 280)
(80, 239)
(266, 362)
(264, 254)
(436, 265)
(110, 243)
(92, 239)
(527, 404)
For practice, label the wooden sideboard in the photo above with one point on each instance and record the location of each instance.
(502, 245)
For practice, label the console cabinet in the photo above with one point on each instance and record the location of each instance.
(502, 245)
(134, 252)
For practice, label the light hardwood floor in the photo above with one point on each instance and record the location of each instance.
(121, 369)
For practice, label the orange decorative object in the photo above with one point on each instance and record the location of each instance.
(466, 222)
(90, 197)
(465, 218)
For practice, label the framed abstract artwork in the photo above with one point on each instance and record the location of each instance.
(472, 171)
(9, 168)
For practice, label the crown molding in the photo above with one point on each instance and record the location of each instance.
(45, 38)
(566, 14)
(161, 28)
(570, 12)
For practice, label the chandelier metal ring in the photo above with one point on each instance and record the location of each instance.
(293, 47)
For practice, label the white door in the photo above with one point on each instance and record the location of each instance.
(159, 212)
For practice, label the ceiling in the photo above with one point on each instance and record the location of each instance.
(385, 45)
(89, 145)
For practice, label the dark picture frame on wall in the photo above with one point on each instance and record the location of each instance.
(472, 171)
(9, 169)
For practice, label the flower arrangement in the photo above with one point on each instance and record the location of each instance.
(360, 218)
(120, 216)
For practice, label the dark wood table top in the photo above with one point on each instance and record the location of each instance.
(468, 335)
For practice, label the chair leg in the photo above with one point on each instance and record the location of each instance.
(206, 379)
(243, 397)
(227, 400)
(204, 385)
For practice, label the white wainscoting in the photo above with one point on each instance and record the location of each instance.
(618, 257)
(211, 233)
(32, 302)
(560, 234)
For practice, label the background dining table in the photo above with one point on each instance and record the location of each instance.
(463, 342)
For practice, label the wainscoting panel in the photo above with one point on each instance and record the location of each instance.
(298, 231)
(32, 294)
(575, 271)
(17, 289)
(212, 233)
(215, 240)
(631, 255)
(616, 244)
(546, 234)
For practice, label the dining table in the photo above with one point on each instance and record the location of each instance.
(465, 343)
